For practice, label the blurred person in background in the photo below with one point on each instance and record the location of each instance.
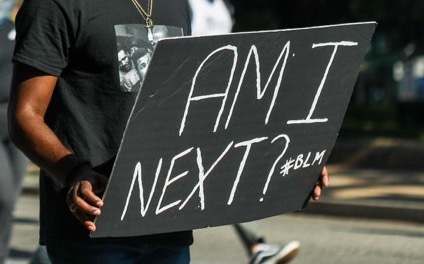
(211, 17)
(69, 119)
(13, 163)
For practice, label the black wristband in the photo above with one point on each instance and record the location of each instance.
(82, 171)
(68, 165)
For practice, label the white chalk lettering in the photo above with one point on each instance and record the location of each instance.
(138, 175)
(203, 176)
(318, 157)
(271, 172)
(224, 95)
(259, 91)
(285, 169)
(299, 162)
(305, 163)
(309, 118)
(248, 145)
(291, 163)
(169, 181)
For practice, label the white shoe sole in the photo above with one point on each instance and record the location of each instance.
(286, 254)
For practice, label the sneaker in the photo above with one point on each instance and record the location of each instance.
(270, 254)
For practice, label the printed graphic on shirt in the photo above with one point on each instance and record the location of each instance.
(135, 45)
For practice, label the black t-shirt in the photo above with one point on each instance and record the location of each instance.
(97, 49)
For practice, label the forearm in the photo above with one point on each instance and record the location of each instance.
(32, 135)
(39, 143)
(29, 100)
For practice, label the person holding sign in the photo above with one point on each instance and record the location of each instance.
(68, 113)
(13, 163)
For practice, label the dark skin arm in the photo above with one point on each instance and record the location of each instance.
(30, 97)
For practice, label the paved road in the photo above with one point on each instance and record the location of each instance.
(323, 239)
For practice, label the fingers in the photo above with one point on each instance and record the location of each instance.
(316, 193)
(88, 196)
(325, 177)
(322, 183)
(84, 204)
(86, 220)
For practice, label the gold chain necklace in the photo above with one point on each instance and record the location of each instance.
(146, 15)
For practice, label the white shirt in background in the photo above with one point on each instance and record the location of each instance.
(210, 18)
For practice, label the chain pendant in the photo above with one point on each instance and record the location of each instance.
(143, 13)
(149, 22)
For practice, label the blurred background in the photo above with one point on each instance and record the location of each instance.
(388, 98)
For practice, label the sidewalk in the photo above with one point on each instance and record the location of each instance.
(374, 194)
(376, 178)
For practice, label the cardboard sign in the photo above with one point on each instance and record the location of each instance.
(231, 128)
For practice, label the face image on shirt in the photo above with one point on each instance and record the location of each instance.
(135, 45)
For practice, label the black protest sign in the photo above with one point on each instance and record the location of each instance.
(231, 128)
